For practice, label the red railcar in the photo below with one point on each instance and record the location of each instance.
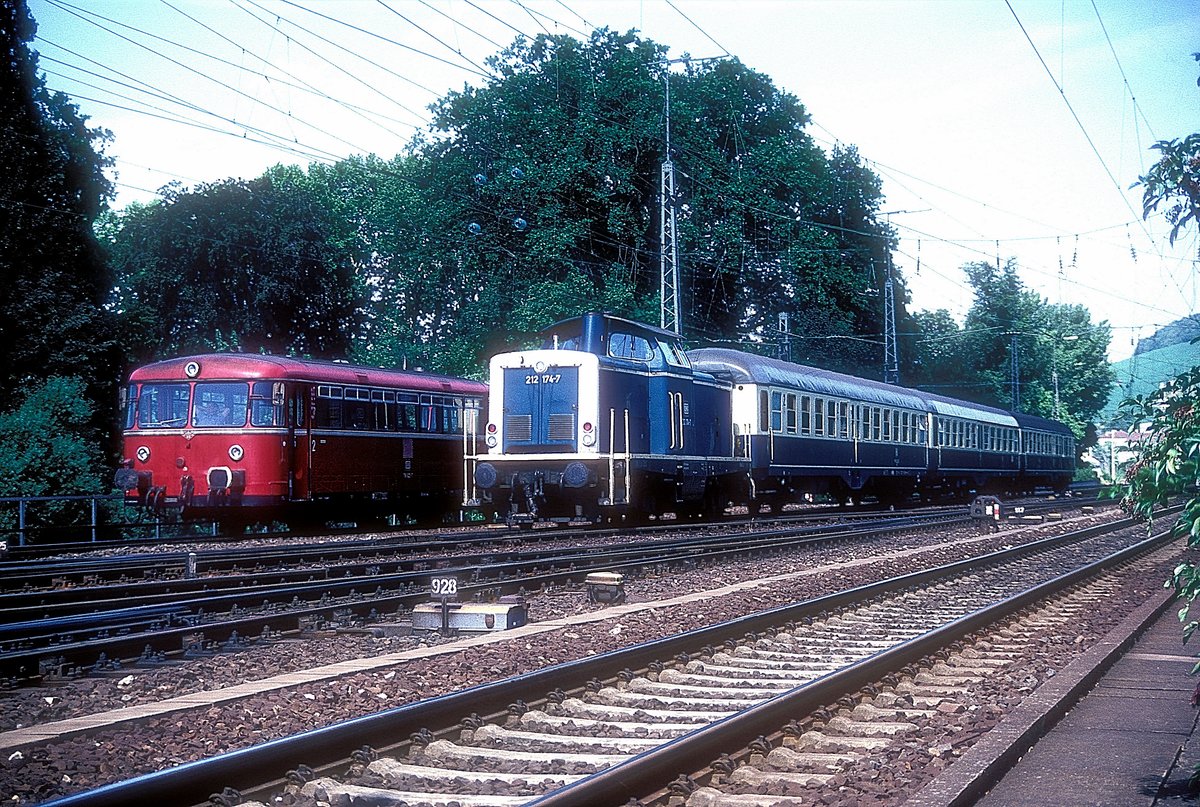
(240, 437)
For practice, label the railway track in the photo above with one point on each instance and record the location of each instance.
(68, 631)
(626, 724)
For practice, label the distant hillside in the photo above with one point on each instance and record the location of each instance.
(1179, 332)
(1144, 371)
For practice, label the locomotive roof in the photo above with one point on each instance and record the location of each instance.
(627, 325)
(748, 368)
(251, 366)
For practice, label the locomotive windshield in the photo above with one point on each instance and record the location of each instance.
(220, 404)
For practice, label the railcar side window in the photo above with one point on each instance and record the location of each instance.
(406, 411)
(130, 404)
(329, 407)
(819, 416)
(831, 419)
(805, 418)
(776, 411)
(844, 419)
(162, 406)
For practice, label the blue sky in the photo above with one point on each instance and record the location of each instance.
(1005, 128)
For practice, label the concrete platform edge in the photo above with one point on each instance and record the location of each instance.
(981, 767)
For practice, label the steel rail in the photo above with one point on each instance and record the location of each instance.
(23, 661)
(331, 746)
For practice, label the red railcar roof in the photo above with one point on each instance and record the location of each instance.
(227, 366)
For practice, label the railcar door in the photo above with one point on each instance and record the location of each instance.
(300, 411)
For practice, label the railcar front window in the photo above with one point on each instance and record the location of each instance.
(266, 407)
(162, 406)
(217, 404)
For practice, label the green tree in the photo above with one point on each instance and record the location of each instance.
(1168, 462)
(52, 318)
(49, 450)
(536, 196)
(234, 265)
(1062, 365)
(1173, 182)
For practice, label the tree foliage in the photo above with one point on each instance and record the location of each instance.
(234, 265)
(49, 450)
(536, 197)
(1168, 461)
(1062, 364)
(55, 278)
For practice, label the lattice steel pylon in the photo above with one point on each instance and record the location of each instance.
(668, 261)
(891, 357)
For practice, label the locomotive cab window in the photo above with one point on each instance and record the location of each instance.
(629, 346)
(674, 356)
(221, 403)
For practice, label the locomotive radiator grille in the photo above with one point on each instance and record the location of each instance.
(519, 427)
(562, 427)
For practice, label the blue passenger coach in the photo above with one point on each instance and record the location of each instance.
(607, 417)
(813, 431)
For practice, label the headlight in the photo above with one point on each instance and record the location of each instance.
(236, 453)
(491, 441)
(589, 439)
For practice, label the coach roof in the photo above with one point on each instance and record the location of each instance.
(747, 368)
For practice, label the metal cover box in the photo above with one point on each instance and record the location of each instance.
(471, 616)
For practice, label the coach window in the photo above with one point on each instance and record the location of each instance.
(266, 407)
(843, 410)
(776, 411)
(805, 414)
(864, 423)
(921, 430)
(764, 411)
(819, 417)
(886, 432)
(219, 404)
(162, 405)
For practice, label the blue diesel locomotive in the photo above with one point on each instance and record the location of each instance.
(608, 415)
(612, 417)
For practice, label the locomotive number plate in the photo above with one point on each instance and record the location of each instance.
(443, 586)
(544, 378)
